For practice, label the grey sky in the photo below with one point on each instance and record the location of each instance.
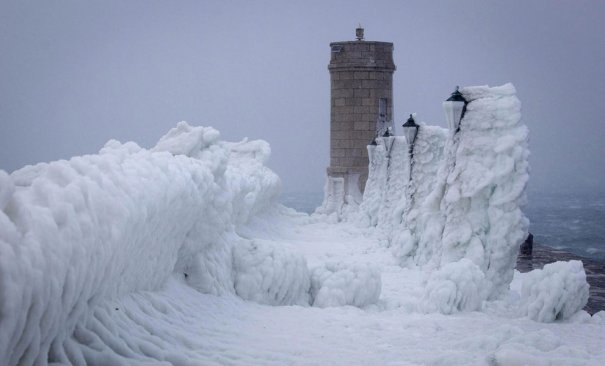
(74, 74)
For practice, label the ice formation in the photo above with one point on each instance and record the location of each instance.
(460, 213)
(412, 239)
(457, 286)
(334, 197)
(75, 234)
(404, 189)
(271, 274)
(339, 284)
(555, 292)
(485, 189)
(115, 258)
(387, 179)
(465, 190)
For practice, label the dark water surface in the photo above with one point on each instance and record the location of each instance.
(572, 222)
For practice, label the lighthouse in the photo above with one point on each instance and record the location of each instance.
(361, 106)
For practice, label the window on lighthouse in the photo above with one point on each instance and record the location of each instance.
(382, 109)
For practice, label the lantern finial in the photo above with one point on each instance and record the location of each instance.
(456, 96)
(359, 33)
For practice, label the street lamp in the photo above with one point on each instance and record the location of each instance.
(454, 108)
(410, 131)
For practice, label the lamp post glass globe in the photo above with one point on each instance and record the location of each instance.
(454, 110)
(410, 130)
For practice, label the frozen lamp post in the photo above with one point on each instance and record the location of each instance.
(410, 131)
(454, 108)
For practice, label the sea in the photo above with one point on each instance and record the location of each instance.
(574, 222)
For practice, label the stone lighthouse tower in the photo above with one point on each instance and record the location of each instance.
(361, 77)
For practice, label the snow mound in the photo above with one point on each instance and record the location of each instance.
(340, 284)
(541, 348)
(457, 286)
(270, 274)
(76, 234)
(210, 271)
(187, 140)
(598, 317)
(556, 292)
(254, 186)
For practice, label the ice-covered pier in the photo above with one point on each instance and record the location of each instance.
(181, 255)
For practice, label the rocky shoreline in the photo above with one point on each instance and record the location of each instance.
(595, 271)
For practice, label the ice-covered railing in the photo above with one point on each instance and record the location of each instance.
(485, 189)
(465, 193)
(387, 178)
(467, 204)
(397, 190)
(460, 214)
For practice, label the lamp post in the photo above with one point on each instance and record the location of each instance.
(454, 108)
(410, 131)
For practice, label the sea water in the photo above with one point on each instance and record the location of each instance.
(574, 222)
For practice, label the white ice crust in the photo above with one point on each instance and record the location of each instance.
(76, 235)
(485, 190)
(271, 274)
(557, 291)
(457, 286)
(116, 258)
(79, 232)
(387, 180)
(339, 284)
(460, 212)
(465, 193)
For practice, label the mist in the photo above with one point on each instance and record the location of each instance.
(75, 74)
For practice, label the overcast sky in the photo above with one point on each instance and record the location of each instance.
(74, 74)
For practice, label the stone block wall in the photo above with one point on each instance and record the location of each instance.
(361, 73)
